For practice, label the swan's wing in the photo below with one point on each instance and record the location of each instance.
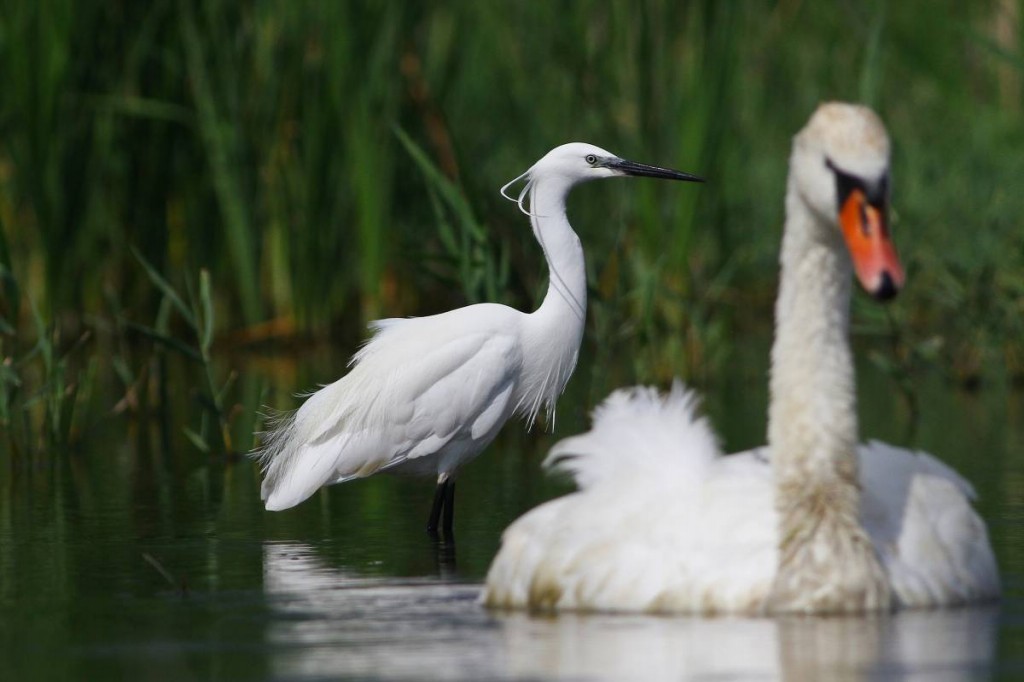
(639, 432)
(416, 387)
(918, 513)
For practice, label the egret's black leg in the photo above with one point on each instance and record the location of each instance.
(444, 556)
(449, 509)
(439, 501)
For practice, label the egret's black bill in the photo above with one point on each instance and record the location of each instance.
(634, 168)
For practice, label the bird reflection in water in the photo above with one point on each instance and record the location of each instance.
(327, 620)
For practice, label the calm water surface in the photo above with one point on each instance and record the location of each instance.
(142, 559)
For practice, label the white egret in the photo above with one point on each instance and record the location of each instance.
(812, 523)
(426, 395)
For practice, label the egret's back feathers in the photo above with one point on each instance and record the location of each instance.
(417, 386)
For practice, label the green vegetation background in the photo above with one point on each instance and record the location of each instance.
(195, 179)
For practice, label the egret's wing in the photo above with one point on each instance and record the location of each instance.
(417, 386)
(468, 400)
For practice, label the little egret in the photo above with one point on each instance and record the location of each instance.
(812, 523)
(426, 395)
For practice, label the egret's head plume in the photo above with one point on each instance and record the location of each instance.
(576, 162)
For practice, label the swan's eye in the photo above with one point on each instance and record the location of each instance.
(845, 183)
(875, 192)
(590, 158)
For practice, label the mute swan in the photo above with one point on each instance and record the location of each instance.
(426, 395)
(812, 523)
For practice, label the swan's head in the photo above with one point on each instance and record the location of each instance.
(578, 162)
(840, 167)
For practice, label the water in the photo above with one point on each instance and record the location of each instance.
(328, 620)
(140, 558)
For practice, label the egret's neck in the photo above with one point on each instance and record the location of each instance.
(566, 298)
(555, 329)
(826, 560)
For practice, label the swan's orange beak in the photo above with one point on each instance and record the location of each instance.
(866, 230)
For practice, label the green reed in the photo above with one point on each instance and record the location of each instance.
(481, 269)
(196, 309)
(256, 141)
(42, 385)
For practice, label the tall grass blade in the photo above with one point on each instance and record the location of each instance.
(871, 73)
(207, 324)
(167, 290)
(449, 192)
(164, 340)
(219, 141)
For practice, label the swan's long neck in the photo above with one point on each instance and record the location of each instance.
(812, 426)
(555, 329)
(826, 562)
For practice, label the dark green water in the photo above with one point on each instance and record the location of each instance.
(137, 560)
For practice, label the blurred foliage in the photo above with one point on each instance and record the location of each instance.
(214, 431)
(256, 141)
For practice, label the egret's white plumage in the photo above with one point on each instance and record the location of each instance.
(427, 394)
(812, 522)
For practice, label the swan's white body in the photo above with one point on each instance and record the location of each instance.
(425, 395)
(664, 523)
(810, 523)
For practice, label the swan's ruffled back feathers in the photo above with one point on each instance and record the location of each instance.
(662, 523)
(638, 432)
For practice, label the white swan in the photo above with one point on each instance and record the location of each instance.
(812, 523)
(428, 394)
